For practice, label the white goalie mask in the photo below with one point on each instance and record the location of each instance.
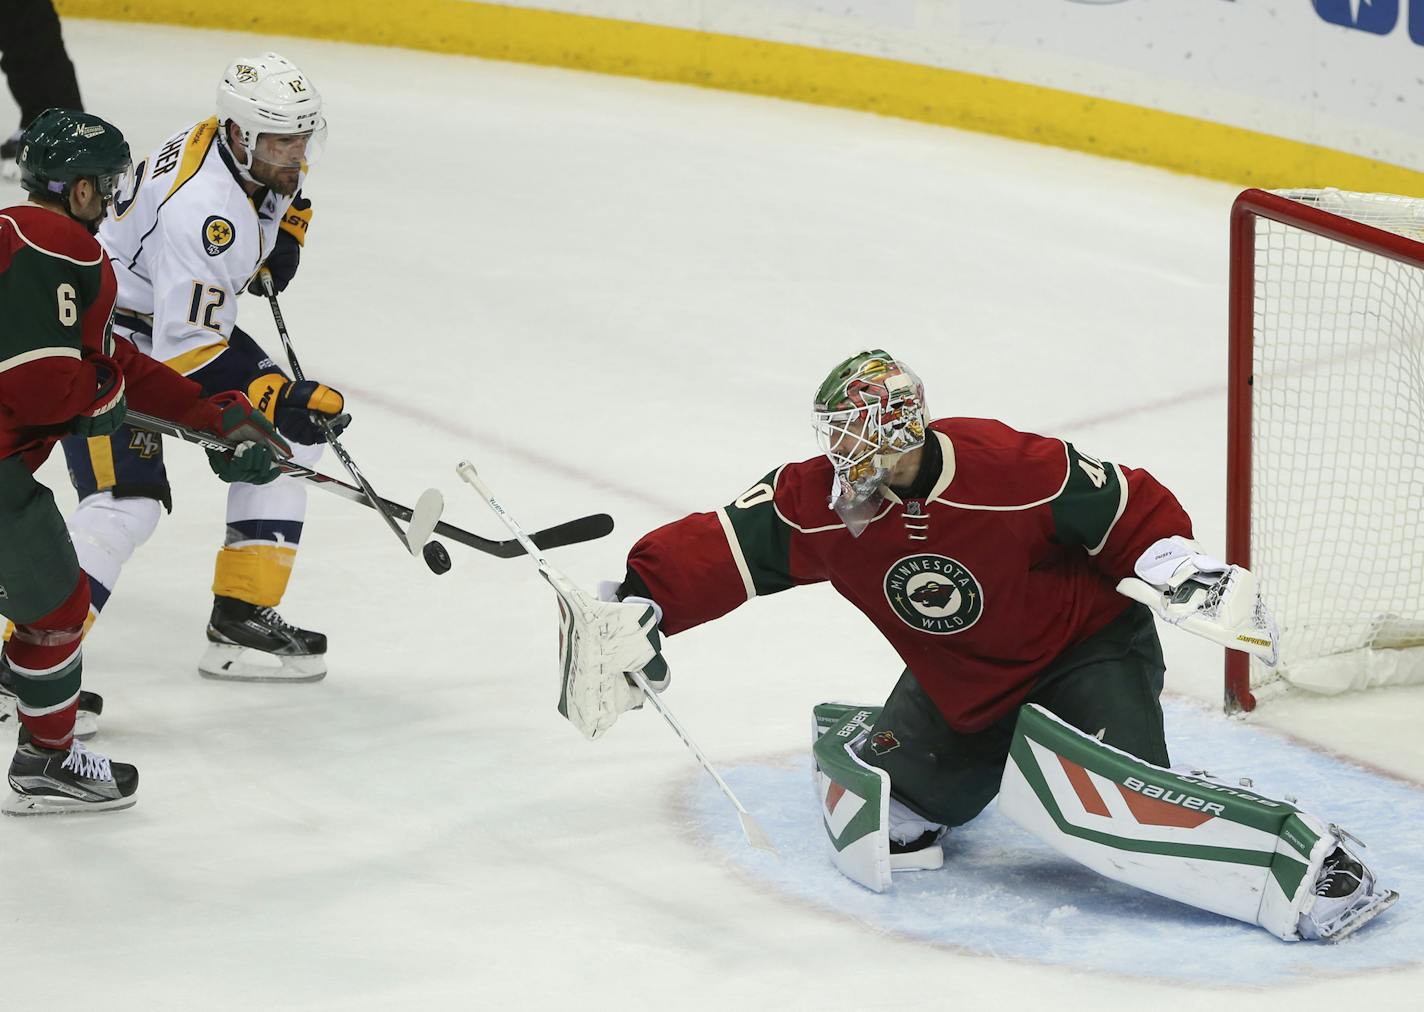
(278, 115)
(868, 411)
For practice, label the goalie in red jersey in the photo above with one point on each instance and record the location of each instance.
(62, 372)
(1017, 577)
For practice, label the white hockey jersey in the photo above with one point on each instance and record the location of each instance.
(185, 240)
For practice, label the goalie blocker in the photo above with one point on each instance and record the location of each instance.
(599, 642)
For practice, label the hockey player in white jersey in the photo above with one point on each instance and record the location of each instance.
(202, 215)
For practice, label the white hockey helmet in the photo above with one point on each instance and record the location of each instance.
(269, 94)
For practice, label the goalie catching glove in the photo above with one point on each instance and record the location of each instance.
(1204, 596)
(601, 643)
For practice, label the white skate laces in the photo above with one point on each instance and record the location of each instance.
(1345, 895)
(87, 764)
(277, 621)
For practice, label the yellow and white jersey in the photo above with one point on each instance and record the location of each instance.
(186, 239)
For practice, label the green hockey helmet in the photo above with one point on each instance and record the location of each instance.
(62, 146)
(870, 409)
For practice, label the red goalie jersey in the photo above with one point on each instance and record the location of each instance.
(1010, 559)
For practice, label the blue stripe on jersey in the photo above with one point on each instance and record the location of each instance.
(98, 593)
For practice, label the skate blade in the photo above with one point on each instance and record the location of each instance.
(230, 663)
(86, 725)
(41, 804)
(1361, 917)
(928, 859)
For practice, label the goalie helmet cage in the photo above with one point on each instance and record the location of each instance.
(1325, 424)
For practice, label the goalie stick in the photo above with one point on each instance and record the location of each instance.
(755, 835)
(413, 540)
(589, 528)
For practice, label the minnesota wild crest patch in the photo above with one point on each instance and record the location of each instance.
(934, 593)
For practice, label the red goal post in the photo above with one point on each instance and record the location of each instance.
(1325, 424)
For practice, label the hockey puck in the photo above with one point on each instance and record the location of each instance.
(436, 557)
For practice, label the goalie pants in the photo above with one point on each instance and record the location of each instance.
(1106, 686)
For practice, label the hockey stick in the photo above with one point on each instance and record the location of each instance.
(574, 532)
(755, 835)
(430, 501)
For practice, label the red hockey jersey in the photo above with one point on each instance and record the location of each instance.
(57, 300)
(1011, 558)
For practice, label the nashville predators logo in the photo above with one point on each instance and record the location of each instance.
(245, 74)
(934, 593)
(218, 234)
(883, 741)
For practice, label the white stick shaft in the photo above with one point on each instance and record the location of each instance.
(657, 704)
(467, 471)
(754, 834)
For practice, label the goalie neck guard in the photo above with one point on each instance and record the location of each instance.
(867, 412)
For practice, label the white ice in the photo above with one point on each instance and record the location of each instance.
(616, 295)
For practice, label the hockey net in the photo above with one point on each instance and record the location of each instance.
(1325, 488)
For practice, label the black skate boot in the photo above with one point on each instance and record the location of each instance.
(1346, 896)
(248, 643)
(50, 781)
(86, 721)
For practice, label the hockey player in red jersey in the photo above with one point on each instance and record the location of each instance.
(63, 372)
(1017, 578)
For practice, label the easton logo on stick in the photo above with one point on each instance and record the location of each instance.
(934, 593)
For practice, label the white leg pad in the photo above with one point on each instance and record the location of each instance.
(858, 813)
(1213, 846)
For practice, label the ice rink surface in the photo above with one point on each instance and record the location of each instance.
(619, 296)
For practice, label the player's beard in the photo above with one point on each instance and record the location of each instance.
(283, 180)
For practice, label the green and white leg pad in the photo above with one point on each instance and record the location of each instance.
(1186, 836)
(860, 817)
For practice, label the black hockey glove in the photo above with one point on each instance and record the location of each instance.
(282, 262)
(295, 407)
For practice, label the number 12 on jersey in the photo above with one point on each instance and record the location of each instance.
(206, 301)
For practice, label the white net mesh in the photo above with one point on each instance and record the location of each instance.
(1337, 528)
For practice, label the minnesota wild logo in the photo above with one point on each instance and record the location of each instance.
(934, 593)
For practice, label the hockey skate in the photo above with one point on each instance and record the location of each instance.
(1347, 897)
(248, 643)
(61, 781)
(86, 720)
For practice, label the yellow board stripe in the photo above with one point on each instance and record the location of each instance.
(101, 458)
(889, 87)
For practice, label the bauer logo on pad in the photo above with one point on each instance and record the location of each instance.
(218, 234)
